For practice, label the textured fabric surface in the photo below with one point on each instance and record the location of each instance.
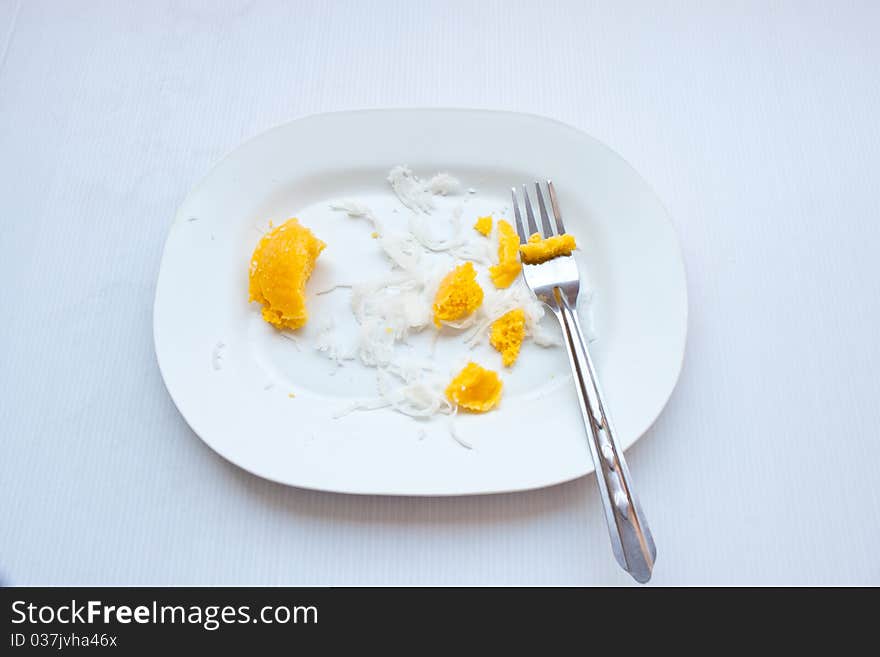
(755, 122)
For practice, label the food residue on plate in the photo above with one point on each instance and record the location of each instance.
(458, 296)
(434, 280)
(539, 249)
(280, 266)
(475, 389)
(508, 267)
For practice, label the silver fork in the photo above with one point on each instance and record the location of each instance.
(557, 284)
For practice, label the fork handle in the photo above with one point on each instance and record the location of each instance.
(631, 539)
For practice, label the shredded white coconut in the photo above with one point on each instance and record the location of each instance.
(356, 210)
(217, 355)
(421, 399)
(464, 245)
(332, 288)
(444, 184)
(290, 336)
(453, 431)
(326, 344)
(417, 194)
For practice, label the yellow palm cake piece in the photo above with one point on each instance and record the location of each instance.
(458, 296)
(475, 389)
(507, 334)
(483, 225)
(280, 266)
(508, 267)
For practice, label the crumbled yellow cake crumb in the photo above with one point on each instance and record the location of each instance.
(507, 334)
(483, 225)
(280, 266)
(508, 267)
(374, 235)
(475, 389)
(458, 296)
(539, 250)
(291, 394)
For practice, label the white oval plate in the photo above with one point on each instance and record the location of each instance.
(231, 375)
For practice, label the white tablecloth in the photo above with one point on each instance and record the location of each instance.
(756, 123)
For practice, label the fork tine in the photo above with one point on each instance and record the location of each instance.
(518, 217)
(545, 219)
(533, 227)
(560, 227)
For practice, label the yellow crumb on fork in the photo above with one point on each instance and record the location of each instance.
(508, 267)
(539, 249)
(483, 225)
(458, 296)
(507, 335)
(291, 394)
(475, 389)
